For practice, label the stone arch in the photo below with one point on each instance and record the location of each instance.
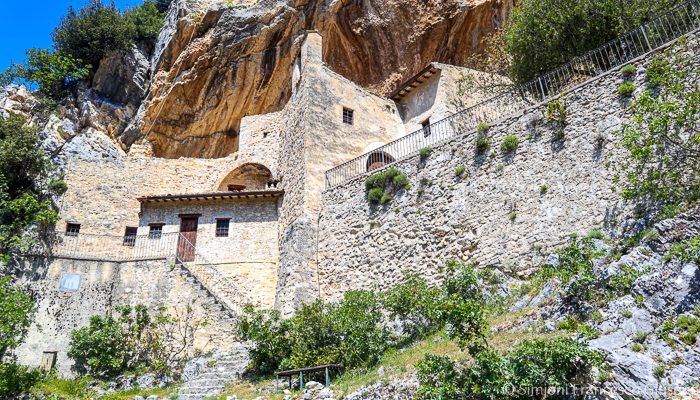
(247, 177)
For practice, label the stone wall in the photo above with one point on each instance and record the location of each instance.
(313, 140)
(102, 195)
(104, 286)
(496, 214)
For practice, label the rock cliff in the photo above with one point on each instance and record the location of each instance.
(218, 61)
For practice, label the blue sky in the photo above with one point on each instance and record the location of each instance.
(29, 23)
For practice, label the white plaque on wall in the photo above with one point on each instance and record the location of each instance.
(69, 283)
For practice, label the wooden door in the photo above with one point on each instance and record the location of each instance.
(186, 249)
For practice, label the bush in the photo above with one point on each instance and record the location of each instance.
(380, 186)
(509, 144)
(54, 75)
(556, 112)
(134, 339)
(438, 378)
(544, 188)
(628, 71)
(92, 32)
(415, 305)
(543, 34)
(17, 310)
(425, 152)
(375, 195)
(460, 169)
(626, 89)
(482, 144)
(266, 330)
(16, 380)
(483, 127)
(147, 20)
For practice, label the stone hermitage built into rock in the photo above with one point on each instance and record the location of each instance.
(262, 227)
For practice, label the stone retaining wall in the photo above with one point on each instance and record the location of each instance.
(497, 214)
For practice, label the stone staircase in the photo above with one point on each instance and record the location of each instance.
(208, 377)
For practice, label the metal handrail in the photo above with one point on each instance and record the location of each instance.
(659, 31)
(115, 248)
(213, 281)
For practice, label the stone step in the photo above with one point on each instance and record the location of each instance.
(209, 382)
(198, 396)
(201, 389)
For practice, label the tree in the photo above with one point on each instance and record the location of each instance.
(543, 34)
(16, 313)
(92, 32)
(24, 195)
(663, 135)
(147, 20)
(54, 74)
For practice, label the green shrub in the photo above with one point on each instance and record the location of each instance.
(54, 388)
(133, 340)
(543, 34)
(425, 152)
(17, 311)
(636, 347)
(460, 169)
(627, 313)
(628, 71)
(544, 188)
(16, 380)
(386, 197)
(438, 377)
(482, 145)
(147, 20)
(463, 305)
(626, 89)
(381, 186)
(55, 75)
(621, 284)
(687, 328)
(686, 251)
(556, 112)
(375, 195)
(659, 371)
(509, 144)
(415, 304)
(482, 128)
(266, 330)
(659, 72)
(401, 181)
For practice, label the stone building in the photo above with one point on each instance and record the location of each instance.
(243, 228)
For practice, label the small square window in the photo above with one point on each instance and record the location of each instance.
(155, 231)
(69, 283)
(130, 236)
(222, 225)
(72, 229)
(348, 116)
(426, 127)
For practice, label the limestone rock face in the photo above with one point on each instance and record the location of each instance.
(218, 61)
(123, 76)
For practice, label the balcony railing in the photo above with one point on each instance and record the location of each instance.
(115, 248)
(656, 33)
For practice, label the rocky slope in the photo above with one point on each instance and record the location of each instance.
(218, 61)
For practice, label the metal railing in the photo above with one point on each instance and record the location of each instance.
(114, 248)
(216, 283)
(656, 33)
(111, 248)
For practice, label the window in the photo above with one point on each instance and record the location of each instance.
(155, 231)
(222, 225)
(72, 229)
(69, 283)
(130, 236)
(426, 127)
(348, 116)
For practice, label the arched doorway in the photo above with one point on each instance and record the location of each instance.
(378, 159)
(248, 177)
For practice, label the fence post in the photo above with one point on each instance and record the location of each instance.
(646, 39)
(544, 97)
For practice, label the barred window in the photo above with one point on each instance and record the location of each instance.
(155, 231)
(72, 229)
(222, 225)
(348, 116)
(130, 236)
